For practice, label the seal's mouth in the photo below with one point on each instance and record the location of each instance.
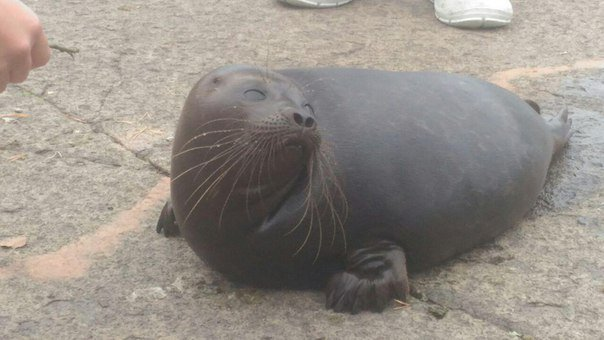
(295, 147)
(296, 185)
(302, 142)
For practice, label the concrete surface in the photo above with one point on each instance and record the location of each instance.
(84, 153)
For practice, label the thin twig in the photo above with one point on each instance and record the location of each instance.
(71, 51)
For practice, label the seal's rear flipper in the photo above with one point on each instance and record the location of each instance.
(560, 127)
(167, 221)
(374, 276)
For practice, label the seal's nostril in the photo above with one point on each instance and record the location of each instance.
(298, 119)
(303, 120)
(309, 122)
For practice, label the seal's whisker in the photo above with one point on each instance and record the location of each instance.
(204, 163)
(276, 143)
(324, 184)
(325, 166)
(219, 120)
(238, 135)
(208, 133)
(270, 159)
(321, 176)
(320, 234)
(254, 137)
(312, 204)
(335, 216)
(338, 188)
(216, 181)
(248, 158)
(327, 195)
(241, 142)
(232, 156)
(244, 149)
(215, 145)
(214, 158)
(265, 142)
(238, 176)
(255, 155)
(306, 203)
(310, 228)
(210, 177)
(260, 159)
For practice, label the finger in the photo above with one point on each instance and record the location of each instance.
(3, 79)
(40, 52)
(21, 64)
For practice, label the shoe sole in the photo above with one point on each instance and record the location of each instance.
(315, 4)
(477, 18)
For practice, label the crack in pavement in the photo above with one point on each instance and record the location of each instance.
(118, 67)
(53, 104)
(494, 320)
(498, 322)
(96, 127)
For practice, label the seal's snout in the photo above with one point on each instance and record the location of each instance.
(303, 135)
(302, 120)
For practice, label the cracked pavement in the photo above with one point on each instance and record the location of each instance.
(85, 151)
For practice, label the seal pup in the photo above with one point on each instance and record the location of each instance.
(344, 179)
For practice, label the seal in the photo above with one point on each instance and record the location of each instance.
(345, 179)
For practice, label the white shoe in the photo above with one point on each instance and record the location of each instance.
(316, 3)
(474, 13)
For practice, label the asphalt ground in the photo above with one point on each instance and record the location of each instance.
(84, 158)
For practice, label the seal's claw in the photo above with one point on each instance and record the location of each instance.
(563, 116)
(561, 129)
(375, 276)
(534, 105)
(167, 221)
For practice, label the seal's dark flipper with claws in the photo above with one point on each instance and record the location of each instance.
(167, 221)
(375, 275)
(560, 127)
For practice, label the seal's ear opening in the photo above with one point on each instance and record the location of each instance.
(534, 105)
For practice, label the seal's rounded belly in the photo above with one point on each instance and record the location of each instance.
(344, 177)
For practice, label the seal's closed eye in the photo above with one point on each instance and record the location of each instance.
(254, 95)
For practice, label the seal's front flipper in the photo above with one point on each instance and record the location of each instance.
(534, 105)
(375, 275)
(560, 127)
(167, 221)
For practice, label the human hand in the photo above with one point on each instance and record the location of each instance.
(23, 44)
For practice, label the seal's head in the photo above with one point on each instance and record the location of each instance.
(247, 142)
